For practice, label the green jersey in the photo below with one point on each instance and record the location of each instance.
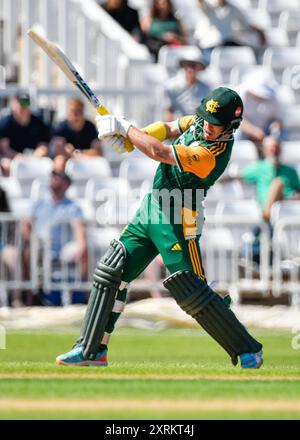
(199, 162)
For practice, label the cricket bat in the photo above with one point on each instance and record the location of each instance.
(62, 61)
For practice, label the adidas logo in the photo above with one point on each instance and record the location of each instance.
(176, 247)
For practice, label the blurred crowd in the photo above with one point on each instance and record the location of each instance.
(24, 133)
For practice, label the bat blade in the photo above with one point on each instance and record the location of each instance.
(63, 62)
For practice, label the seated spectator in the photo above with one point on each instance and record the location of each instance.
(68, 242)
(262, 108)
(4, 208)
(161, 27)
(185, 90)
(75, 135)
(274, 180)
(58, 219)
(20, 131)
(222, 24)
(9, 236)
(126, 16)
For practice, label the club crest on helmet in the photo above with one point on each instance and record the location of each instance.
(212, 106)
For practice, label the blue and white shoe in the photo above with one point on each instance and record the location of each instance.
(251, 360)
(75, 358)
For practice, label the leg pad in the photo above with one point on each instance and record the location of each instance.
(197, 299)
(106, 281)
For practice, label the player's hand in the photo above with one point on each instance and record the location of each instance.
(116, 142)
(109, 125)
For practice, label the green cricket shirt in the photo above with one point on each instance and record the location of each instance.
(199, 162)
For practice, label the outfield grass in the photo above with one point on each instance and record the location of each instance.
(165, 375)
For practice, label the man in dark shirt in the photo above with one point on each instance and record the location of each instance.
(21, 130)
(76, 133)
(127, 17)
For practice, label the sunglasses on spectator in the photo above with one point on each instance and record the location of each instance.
(192, 64)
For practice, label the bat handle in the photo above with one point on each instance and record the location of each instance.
(103, 111)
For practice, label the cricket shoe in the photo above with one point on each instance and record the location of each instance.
(251, 360)
(76, 358)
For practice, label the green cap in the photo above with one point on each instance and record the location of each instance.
(221, 107)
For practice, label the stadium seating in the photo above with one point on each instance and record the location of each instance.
(289, 20)
(81, 171)
(238, 72)
(285, 209)
(27, 169)
(277, 37)
(231, 190)
(169, 56)
(290, 116)
(136, 170)
(225, 58)
(243, 210)
(244, 151)
(286, 249)
(291, 152)
(114, 184)
(291, 79)
(275, 7)
(279, 58)
(21, 208)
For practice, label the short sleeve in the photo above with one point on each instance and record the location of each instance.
(75, 212)
(198, 160)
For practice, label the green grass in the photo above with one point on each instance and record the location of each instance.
(162, 375)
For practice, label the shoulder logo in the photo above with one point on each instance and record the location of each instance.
(212, 106)
(196, 157)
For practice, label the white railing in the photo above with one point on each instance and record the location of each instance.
(14, 274)
(41, 263)
(286, 258)
(139, 105)
(228, 260)
(234, 258)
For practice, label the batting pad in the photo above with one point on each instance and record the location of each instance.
(107, 279)
(197, 299)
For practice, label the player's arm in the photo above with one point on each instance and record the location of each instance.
(151, 146)
(110, 130)
(149, 140)
(163, 130)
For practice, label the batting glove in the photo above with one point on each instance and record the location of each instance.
(117, 143)
(110, 125)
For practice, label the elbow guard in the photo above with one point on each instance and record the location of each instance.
(157, 130)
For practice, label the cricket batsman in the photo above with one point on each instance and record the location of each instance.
(170, 226)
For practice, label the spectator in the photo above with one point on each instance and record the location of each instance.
(274, 180)
(262, 108)
(68, 241)
(9, 249)
(222, 24)
(58, 219)
(74, 135)
(21, 130)
(126, 16)
(161, 27)
(4, 208)
(185, 90)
